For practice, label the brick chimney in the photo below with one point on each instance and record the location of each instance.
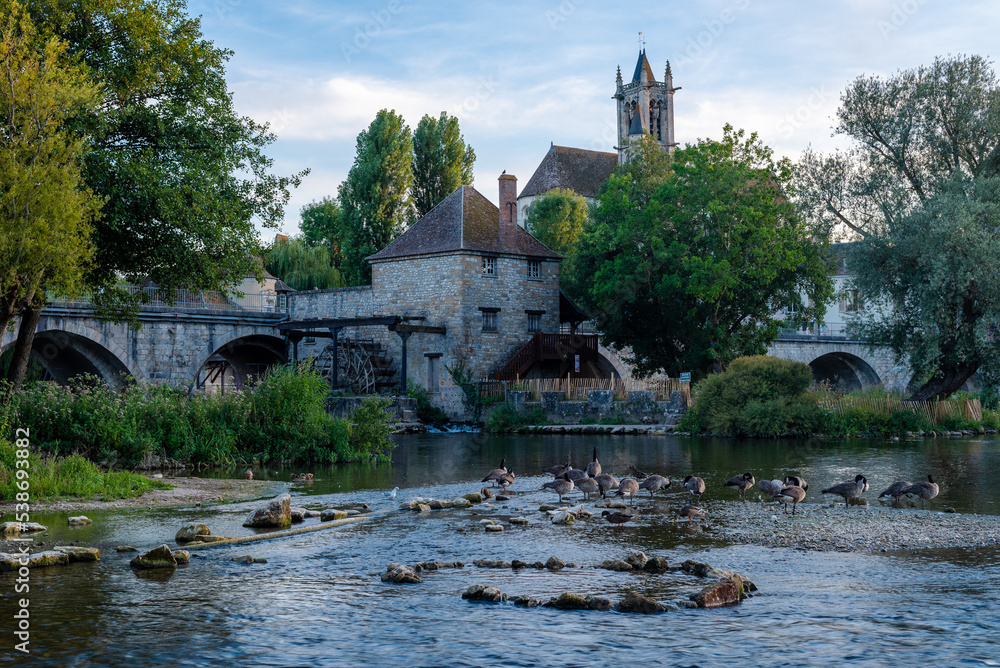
(508, 212)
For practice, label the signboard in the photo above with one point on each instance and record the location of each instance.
(576, 363)
(685, 376)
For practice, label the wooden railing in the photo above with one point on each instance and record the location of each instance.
(576, 389)
(543, 347)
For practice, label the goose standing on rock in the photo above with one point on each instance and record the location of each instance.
(798, 481)
(594, 467)
(896, 490)
(495, 474)
(849, 489)
(628, 487)
(606, 481)
(742, 483)
(695, 485)
(560, 487)
(791, 494)
(925, 490)
(654, 483)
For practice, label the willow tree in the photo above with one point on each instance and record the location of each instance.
(918, 194)
(301, 265)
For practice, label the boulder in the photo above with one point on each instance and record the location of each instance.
(656, 565)
(484, 593)
(634, 602)
(182, 557)
(519, 520)
(191, 532)
(598, 603)
(125, 548)
(724, 592)
(619, 565)
(276, 513)
(12, 562)
(80, 521)
(474, 497)
(436, 565)
(493, 527)
(491, 563)
(159, 557)
(517, 563)
(555, 564)
(563, 517)
(546, 507)
(79, 553)
(17, 528)
(568, 601)
(460, 502)
(504, 497)
(400, 574)
(298, 515)
(637, 560)
(440, 504)
(313, 513)
(331, 514)
(423, 507)
(527, 602)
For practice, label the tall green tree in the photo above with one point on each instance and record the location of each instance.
(441, 161)
(303, 266)
(375, 197)
(918, 193)
(321, 224)
(687, 264)
(557, 219)
(45, 209)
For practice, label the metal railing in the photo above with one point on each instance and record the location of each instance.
(818, 331)
(187, 300)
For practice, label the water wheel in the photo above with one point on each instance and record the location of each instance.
(354, 366)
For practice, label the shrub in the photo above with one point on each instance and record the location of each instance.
(369, 427)
(506, 418)
(472, 400)
(426, 412)
(991, 420)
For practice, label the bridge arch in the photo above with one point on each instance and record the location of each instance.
(844, 371)
(245, 354)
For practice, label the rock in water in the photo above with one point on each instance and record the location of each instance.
(332, 514)
(555, 563)
(191, 532)
(400, 574)
(277, 513)
(484, 593)
(79, 553)
(182, 557)
(298, 515)
(160, 557)
(568, 601)
(656, 565)
(637, 560)
(80, 521)
(724, 592)
(634, 602)
(12, 562)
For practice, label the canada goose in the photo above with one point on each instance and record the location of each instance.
(594, 467)
(770, 487)
(588, 486)
(742, 483)
(791, 494)
(654, 483)
(302, 477)
(690, 512)
(506, 479)
(392, 494)
(573, 474)
(798, 481)
(695, 485)
(248, 474)
(557, 470)
(628, 487)
(848, 489)
(560, 487)
(896, 489)
(486, 493)
(617, 518)
(495, 474)
(636, 473)
(925, 490)
(606, 481)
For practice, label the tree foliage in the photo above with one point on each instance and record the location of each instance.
(919, 195)
(441, 161)
(687, 264)
(375, 197)
(45, 210)
(301, 265)
(321, 225)
(557, 219)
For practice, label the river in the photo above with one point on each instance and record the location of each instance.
(318, 600)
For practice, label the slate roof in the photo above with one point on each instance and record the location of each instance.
(462, 221)
(641, 64)
(580, 170)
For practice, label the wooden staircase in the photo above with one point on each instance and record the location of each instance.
(542, 347)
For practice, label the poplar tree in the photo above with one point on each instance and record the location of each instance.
(441, 161)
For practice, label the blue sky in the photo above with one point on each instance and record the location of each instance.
(520, 74)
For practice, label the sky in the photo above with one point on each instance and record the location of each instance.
(520, 75)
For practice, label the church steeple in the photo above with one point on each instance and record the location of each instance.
(645, 106)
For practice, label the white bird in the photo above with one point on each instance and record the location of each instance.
(392, 494)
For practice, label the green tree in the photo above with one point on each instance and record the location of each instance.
(441, 161)
(688, 265)
(45, 210)
(375, 197)
(557, 219)
(321, 224)
(301, 265)
(918, 193)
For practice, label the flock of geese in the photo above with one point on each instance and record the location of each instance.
(792, 490)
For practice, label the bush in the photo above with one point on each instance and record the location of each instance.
(506, 418)
(991, 420)
(426, 412)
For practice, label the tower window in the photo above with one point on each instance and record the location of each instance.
(534, 269)
(489, 266)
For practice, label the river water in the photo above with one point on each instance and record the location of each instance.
(319, 601)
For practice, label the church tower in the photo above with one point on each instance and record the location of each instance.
(645, 106)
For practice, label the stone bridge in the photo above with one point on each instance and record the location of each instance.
(844, 362)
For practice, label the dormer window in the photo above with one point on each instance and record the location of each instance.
(489, 266)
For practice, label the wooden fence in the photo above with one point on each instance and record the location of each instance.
(575, 389)
(935, 411)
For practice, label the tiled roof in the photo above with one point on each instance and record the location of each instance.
(462, 221)
(580, 170)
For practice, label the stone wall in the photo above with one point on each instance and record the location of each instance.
(640, 407)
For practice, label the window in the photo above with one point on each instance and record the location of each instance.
(534, 270)
(535, 320)
(850, 302)
(490, 319)
(489, 266)
(789, 309)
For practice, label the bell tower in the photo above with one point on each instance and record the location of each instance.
(645, 106)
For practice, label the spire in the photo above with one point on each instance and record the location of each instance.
(668, 77)
(642, 67)
(618, 79)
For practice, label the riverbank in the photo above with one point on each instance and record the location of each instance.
(833, 527)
